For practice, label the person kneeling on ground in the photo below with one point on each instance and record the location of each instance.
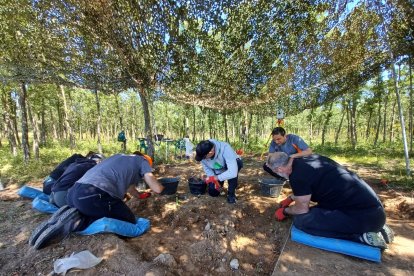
(347, 207)
(57, 172)
(98, 193)
(220, 163)
(72, 174)
(291, 144)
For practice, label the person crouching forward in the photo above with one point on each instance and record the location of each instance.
(220, 162)
(347, 207)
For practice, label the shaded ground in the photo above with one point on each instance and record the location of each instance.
(203, 235)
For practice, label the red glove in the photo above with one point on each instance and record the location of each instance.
(212, 179)
(286, 202)
(144, 195)
(280, 214)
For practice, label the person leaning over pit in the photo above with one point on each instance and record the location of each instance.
(72, 174)
(101, 191)
(291, 144)
(347, 207)
(220, 162)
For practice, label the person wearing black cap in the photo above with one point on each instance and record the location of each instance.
(220, 162)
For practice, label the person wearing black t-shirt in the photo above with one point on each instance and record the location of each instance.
(347, 207)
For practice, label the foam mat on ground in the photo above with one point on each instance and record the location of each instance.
(354, 249)
(115, 226)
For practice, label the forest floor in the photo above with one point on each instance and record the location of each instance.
(201, 235)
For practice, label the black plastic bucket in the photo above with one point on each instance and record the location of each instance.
(271, 186)
(197, 186)
(170, 185)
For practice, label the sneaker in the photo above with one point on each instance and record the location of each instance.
(45, 224)
(374, 239)
(387, 233)
(231, 199)
(67, 223)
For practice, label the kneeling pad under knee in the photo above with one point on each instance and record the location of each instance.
(40, 204)
(122, 228)
(336, 245)
(29, 192)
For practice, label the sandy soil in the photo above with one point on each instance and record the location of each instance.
(200, 235)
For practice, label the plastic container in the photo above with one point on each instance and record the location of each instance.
(271, 186)
(170, 185)
(197, 186)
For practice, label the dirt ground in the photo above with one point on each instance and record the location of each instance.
(200, 235)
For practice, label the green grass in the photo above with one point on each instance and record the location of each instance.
(387, 159)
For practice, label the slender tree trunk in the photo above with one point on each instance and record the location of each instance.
(98, 121)
(411, 105)
(354, 138)
(42, 124)
(8, 127)
(400, 111)
(210, 123)
(194, 122)
(392, 120)
(13, 118)
(377, 131)
(226, 131)
(69, 131)
(35, 128)
(59, 125)
(118, 110)
(328, 116)
(25, 128)
(147, 120)
(384, 132)
(368, 129)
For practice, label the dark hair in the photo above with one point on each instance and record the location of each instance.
(137, 152)
(203, 148)
(279, 131)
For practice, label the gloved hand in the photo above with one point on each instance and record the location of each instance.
(144, 195)
(280, 214)
(212, 179)
(286, 202)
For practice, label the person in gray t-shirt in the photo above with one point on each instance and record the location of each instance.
(291, 144)
(101, 191)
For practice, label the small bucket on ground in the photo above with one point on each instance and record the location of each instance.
(271, 186)
(170, 185)
(197, 186)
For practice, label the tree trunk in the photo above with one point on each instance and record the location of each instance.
(326, 123)
(35, 128)
(118, 110)
(378, 127)
(368, 129)
(194, 122)
(392, 120)
(147, 122)
(42, 124)
(226, 131)
(400, 111)
(411, 106)
(68, 127)
(98, 121)
(25, 128)
(384, 132)
(13, 118)
(354, 138)
(338, 131)
(8, 127)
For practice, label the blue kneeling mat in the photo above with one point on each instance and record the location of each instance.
(43, 205)
(30, 192)
(354, 249)
(123, 228)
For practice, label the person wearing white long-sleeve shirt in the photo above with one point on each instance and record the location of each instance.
(220, 163)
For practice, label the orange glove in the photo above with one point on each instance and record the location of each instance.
(286, 202)
(280, 214)
(212, 179)
(144, 195)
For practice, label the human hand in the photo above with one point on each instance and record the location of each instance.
(144, 195)
(286, 202)
(213, 179)
(280, 214)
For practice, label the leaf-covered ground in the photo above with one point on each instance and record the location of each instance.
(202, 235)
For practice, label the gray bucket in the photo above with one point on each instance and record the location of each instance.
(271, 186)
